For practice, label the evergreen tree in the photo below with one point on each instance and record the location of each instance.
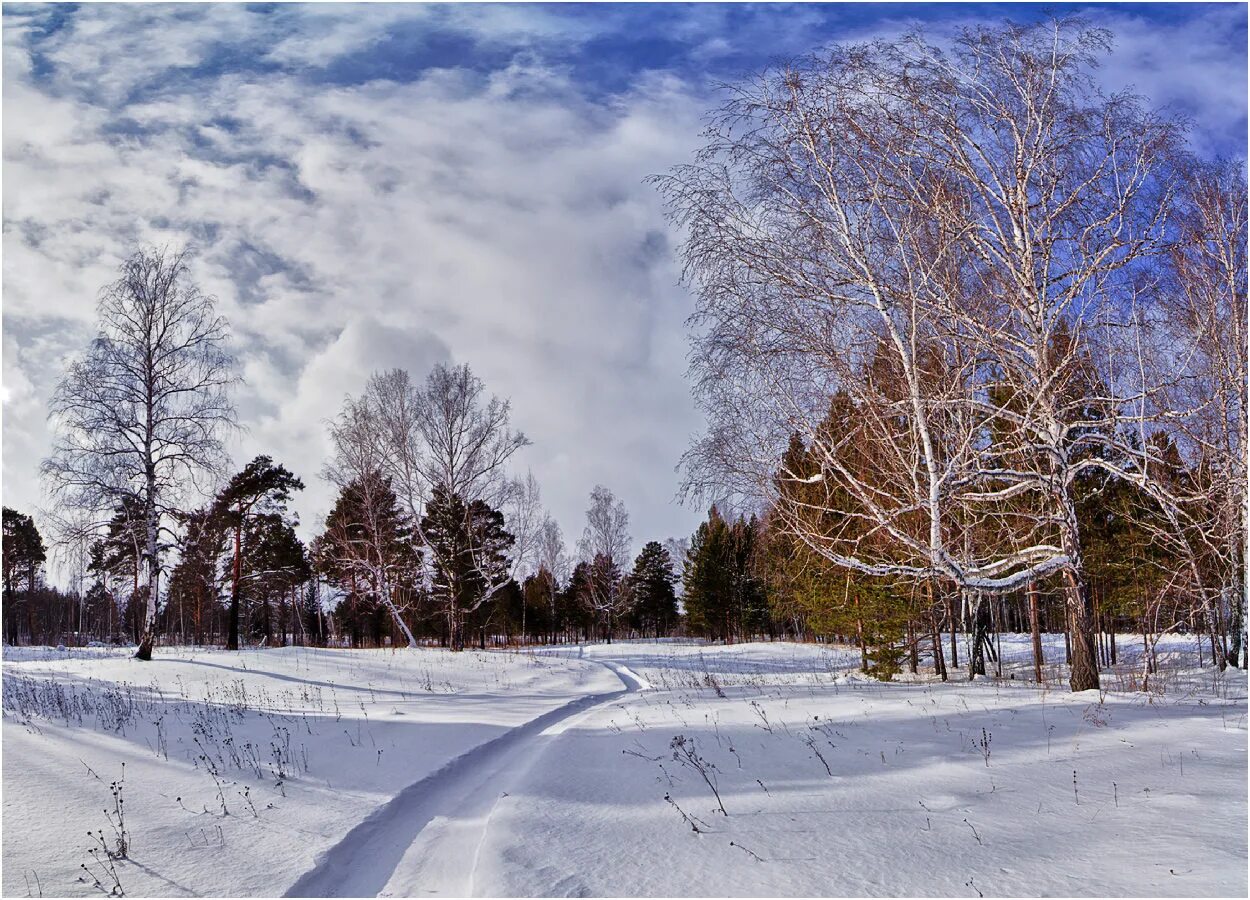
(118, 556)
(275, 567)
(806, 586)
(652, 585)
(502, 613)
(312, 616)
(195, 582)
(468, 548)
(724, 594)
(262, 488)
(539, 592)
(749, 612)
(706, 585)
(369, 552)
(24, 556)
(24, 552)
(573, 609)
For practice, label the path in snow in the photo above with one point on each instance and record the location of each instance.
(453, 804)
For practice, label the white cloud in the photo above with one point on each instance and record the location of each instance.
(500, 221)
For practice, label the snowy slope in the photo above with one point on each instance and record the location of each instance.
(240, 768)
(909, 804)
(553, 773)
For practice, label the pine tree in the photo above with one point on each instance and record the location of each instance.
(539, 592)
(369, 552)
(724, 595)
(24, 551)
(652, 584)
(24, 555)
(261, 488)
(275, 567)
(468, 548)
(195, 582)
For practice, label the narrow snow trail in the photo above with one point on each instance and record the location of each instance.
(453, 804)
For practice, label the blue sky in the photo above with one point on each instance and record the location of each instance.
(381, 185)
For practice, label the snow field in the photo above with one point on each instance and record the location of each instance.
(603, 770)
(240, 768)
(839, 786)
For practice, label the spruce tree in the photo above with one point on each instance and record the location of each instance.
(707, 587)
(725, 594)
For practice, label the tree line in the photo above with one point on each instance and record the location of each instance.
(431, 535)
(750, 577)
(242, 577)
(970, 340)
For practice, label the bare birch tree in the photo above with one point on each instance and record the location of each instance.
(605, 547)
(364, 541)
(551, 552)
(818, 273)
(141, 414)
(554, 565)
(1064, 195)
(445, 432)
(1196, 353)
(523, 511)
(446, 435)
(934, 234)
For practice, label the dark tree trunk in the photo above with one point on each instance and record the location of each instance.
(939, 664)
(232, 634)
(1035, 628)
(1084, 665)
(950, 613)
(1236, 624)
(997, 649)
(980, 637)
(859, 634)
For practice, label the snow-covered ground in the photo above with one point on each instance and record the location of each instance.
(603, 770)
(240, 768)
